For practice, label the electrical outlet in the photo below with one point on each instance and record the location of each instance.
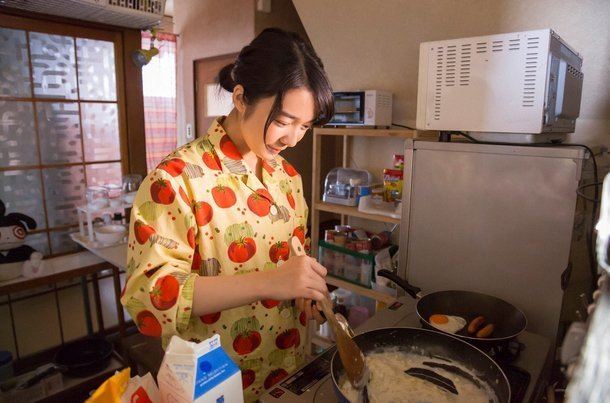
(189, 132)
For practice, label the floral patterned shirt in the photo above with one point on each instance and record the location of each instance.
(203, 212)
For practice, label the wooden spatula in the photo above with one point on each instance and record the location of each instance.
(351, 355)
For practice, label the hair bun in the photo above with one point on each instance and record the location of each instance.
(225, 78)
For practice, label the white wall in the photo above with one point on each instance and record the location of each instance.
(206, 28)
(368, 44)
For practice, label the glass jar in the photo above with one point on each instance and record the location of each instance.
(97, 197)
(131, 183)
(115, 194)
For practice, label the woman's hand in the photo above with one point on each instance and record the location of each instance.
(298, 277)
(311, 311)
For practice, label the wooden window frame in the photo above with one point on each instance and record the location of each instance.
(130, 109)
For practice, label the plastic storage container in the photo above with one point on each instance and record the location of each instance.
(342, 184)
(347, 264)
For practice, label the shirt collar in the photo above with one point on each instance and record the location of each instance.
(230, 158)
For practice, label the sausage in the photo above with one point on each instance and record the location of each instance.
(486, 331)
(475, 324)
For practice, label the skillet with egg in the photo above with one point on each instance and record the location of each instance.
(453, 311)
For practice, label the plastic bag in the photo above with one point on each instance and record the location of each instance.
(121, 388)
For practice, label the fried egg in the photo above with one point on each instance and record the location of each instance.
(447, 323)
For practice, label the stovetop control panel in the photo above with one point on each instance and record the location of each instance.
(310, 374)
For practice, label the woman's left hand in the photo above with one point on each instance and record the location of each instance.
(311, 311)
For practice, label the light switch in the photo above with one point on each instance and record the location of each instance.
(263, 6)
(189, 132)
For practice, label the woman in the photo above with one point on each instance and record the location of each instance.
(211, 224)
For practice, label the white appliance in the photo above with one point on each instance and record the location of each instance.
(516, 87)
(140, 14)
(493, 219)
(362, 108)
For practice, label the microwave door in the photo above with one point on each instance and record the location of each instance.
(349, 108)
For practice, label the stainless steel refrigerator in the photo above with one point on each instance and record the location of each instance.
(491, 218)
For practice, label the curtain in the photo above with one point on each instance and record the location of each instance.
(159, 85)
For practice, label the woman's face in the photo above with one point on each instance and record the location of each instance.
(288, 128)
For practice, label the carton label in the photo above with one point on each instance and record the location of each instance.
(213, 368)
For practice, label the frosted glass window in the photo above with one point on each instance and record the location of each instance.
(62, 243)
(96, 69)
(104, 174)
(17, 134)
(59, 130)
(64, 190)
(14, 64)
(100, 131)
(38, 241)
(53, 65)
(22, 193)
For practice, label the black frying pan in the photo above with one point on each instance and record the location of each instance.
(78, 359)
(508, 320)
(431, 344)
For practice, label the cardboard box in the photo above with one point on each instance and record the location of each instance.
(199, 372)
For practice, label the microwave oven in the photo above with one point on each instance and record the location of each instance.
(362, 108)
(515, 87)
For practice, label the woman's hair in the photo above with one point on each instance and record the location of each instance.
(275, 62)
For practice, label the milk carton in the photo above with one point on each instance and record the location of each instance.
(198, 372)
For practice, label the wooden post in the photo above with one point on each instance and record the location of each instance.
(315, 192)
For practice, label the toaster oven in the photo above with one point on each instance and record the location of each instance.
(362, 108)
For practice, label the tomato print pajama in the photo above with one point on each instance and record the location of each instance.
(203, 212)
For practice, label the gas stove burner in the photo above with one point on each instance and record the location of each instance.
(507, 352)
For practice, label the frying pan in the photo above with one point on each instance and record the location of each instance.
(78, 359)
(507, 319)
(434, 345)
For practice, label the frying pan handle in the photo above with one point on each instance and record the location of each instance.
(404, 284)
(37, 377)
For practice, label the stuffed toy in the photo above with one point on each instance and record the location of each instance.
(16, 258)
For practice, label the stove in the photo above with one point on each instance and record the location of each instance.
(526, 363)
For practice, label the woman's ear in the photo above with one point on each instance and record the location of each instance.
(238, 99)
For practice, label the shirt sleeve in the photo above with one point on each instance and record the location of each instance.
(158, 293)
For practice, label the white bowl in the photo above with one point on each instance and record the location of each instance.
(110, 234)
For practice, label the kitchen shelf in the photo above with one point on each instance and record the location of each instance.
(361, 132)
(353, 212)
(318, 206)
(367, 292)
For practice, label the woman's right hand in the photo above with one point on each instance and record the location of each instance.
(298, 277)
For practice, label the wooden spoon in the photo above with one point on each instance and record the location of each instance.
(351, 355)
